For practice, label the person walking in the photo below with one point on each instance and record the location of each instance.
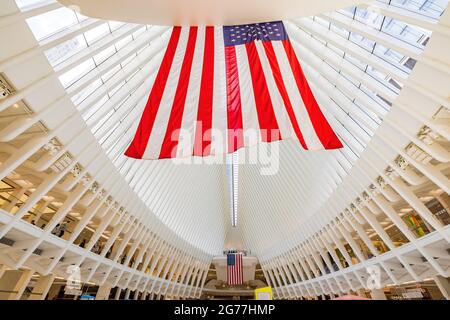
(96, 247)
(62, 229)
(56, 230)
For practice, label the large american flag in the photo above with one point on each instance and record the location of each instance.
(217, 84)
(235, 274)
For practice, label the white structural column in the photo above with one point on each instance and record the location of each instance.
(443, 285)
(378, 294)
(14, 282)
(42, 287)
(103, 292)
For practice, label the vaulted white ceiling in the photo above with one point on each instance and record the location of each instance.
(357, 60)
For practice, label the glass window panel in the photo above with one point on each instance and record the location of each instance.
(139, 32)
(348, 12)
(128, 60)
(106, 136)
(404, 32)
(105, 54)
(389, 55)
(131, 76)
(356, 62)
(25, 4)
(96, 33)
(93, 109)
(102, 121)
(340, 31)
(381, 106)
(369, 18)
(114, 25)
(81, 17)
(123, 42)
(65, 50)
(51, 22)
(370, 114)
(78, 98)
(429, 8)
(336, 50)
(116, 88)
(76, 73)
(362, 41)
(110, 73)
(142, 49)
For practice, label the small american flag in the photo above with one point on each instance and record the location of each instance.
(227, 82)
(235, 274)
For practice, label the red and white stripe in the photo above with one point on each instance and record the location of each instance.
(235, 274)
(203, 85)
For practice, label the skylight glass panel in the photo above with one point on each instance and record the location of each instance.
(77, 73)
(51, 22)
(65, 50)
(99, 58)
(429, 8)
(96, 33)
(233, 178)
(25, 4)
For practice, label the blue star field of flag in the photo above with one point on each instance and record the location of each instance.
(246, 33)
